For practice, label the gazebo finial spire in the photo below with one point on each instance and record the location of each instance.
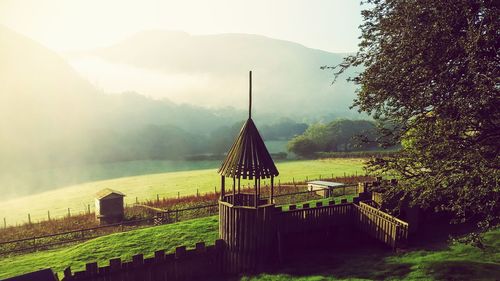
(250, 96)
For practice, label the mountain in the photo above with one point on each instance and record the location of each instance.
(51, 117)
(287, 76)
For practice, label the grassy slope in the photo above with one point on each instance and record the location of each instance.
(451, 262)
(77, 197)
(123, 245)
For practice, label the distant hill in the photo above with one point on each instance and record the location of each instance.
(52, 117)
(287, 75)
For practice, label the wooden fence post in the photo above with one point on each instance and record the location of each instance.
(91, 269)
(137, 264)
(29, 218)
(88, 207)
(115, 266)
(67, 273)
(4, 222)
(48, 215)
(69, 213)
(159, 256)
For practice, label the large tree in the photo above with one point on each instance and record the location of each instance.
(432, 67)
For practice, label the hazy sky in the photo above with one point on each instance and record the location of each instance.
(65, 25)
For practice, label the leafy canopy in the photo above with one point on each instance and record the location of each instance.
(432, 67)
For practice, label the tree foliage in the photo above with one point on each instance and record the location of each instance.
(432, 67)
(339, 135)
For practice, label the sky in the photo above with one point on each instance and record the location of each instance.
(72, 25)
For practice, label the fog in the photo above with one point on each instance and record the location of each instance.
(154, 96)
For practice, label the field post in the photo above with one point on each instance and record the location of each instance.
(48, 215)
(178, 194)
(69, 213)
(136, 200)
(198, 192)
(88, 207)
(4, 222)
(307, 178)
(215, 190)
(29, 218)
(157, 198)
(319, 177)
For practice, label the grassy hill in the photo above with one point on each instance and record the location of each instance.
(77, 197)
(436, 262)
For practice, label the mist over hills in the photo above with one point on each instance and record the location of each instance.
(211, 70)
(52, 117)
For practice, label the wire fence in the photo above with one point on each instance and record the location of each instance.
(88, 208)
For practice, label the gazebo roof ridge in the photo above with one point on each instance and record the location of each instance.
(248, 156)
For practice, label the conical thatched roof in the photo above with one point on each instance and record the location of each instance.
(248, 157)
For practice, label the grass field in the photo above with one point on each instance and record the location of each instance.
(445, 262)
(77, 197)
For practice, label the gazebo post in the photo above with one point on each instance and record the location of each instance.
(258, 181)
(256, 194)
(272, 189)
(222, 187)
(234, 190)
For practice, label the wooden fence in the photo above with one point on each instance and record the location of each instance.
(219, 259)
(374, 222)
(381, 226)
(194, 264)
(307, 219)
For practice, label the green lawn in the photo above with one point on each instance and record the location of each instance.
(447, 262)
(77, 197)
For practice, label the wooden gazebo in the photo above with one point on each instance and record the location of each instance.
(245, 219)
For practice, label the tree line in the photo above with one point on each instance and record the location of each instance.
(337, 136)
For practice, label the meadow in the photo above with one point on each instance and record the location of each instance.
(148, 187)
(439, 260)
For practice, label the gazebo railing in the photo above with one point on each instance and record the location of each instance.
(244, 199)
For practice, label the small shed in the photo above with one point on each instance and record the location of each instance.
(109, 206)
(324, 188)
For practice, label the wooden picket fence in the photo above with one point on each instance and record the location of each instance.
(387, 229)
(194, 264)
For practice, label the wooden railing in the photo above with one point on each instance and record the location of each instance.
(244, 199)
(381, 226)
